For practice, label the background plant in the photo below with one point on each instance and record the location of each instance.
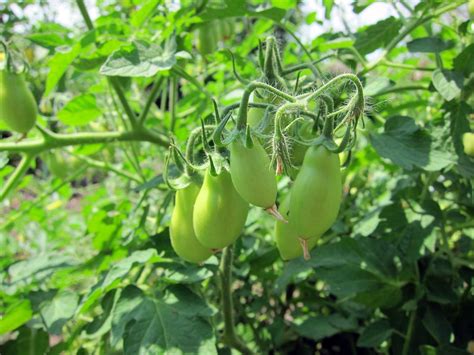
(86, 259)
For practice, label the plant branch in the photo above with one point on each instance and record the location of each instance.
(411, 326)
(151, 98)
(414, 23)
(17, 175)
(57, 140)
(229, 337)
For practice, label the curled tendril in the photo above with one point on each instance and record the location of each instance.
(190, 166)
(234, 69)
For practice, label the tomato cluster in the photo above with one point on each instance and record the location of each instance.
(242, 170)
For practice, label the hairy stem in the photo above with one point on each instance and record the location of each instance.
(244, 102)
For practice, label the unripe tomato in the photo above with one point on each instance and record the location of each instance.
(255, 114)
(226, 28)
(468, 143)
(207, 38)
(252, 174)
(183, 239)
(316, 193)
(286, 236)
(299, 150)
(61, 165)
(219, 212)
(56, 164)
(17, 104)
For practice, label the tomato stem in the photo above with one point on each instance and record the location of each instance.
(14, 178)
(230, 336)
(244, 102)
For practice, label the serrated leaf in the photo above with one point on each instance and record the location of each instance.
(174, 323)
(37, 268)
(363, 270)
(58, 311)
(186, 274)
(58, 65)
(116, 273)
(408, 146)
(48, 40)
(464, 62)
(448, 83)
(377, 36)
(140, 59)
(428, 45)
(80, 111)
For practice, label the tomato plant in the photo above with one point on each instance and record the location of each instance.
(236, 176)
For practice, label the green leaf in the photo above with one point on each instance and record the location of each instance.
(377, 36)
(58, 65)
(176, 322)
(328, 5)
(37, 268)
(147, 8)
(29, 341)
(409, 146)
(464, 62)
(437, 325)
(49, 40)
(376, 85)
(80, 111)
(59, 310)
(15, 316)
(428, 45)
(363, 270)
(103, 323)
(237, 8)
(321, 327)
(186, 273)
(140, 59)
(375, 334)
(116, 273)
(448, 83)
(442, 350)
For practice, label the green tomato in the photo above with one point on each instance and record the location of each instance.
(183, 239)
(316, 193)
(61, 165)
(252, 174)
(207, 38)
(254, 114)
(219, 212)
(17, 105)
(468, 143)
(226, 28)
(57, 164)
(286, 237)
